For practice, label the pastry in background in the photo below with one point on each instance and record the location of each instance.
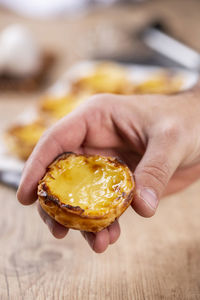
(105, 78)
(22, 138)
(161, 83)
(113, 78)
(55, 108)
(23, 64)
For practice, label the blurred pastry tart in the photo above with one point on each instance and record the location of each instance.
(105, 78)
(54, 107)
(22, 138)
(161, 83)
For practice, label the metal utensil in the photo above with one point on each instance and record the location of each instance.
(156, 38)
(11, 178)
(10, 171)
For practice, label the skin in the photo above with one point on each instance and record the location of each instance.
(156, 135)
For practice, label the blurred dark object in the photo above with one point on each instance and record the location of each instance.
(24, 64)
(157, 37)
(161, 49)
(10, 178)
(10, 171)
(28, 83)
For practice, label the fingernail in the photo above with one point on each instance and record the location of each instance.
(149, 197)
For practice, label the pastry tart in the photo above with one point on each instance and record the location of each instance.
(86, 192)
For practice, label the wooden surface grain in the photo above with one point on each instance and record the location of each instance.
(157, 258)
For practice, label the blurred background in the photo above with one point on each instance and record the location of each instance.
(39, 42)
(77, 30)
(83, 29)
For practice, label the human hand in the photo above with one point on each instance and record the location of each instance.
(157, 136)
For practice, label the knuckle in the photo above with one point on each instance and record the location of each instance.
(97, 106)
(158, 171)
(45, 136)
(100, 99)
(171, 130)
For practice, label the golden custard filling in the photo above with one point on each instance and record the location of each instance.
(96, 184)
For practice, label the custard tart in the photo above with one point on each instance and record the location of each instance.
(86, 192)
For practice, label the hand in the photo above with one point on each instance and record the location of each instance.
(157, 136)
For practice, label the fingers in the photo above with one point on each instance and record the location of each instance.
(100, 241)
(153, 173)
(114, 232)
(56, 229)
(67, 135)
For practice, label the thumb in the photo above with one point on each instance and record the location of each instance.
(153, 173)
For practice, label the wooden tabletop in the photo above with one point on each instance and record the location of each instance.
(157, 258)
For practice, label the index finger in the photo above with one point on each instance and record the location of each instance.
(66, 135)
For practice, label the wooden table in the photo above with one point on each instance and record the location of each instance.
(157, 258)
